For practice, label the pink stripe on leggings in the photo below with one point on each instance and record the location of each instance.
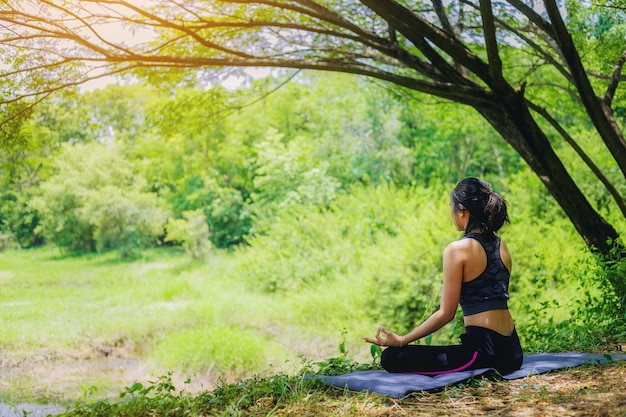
(459, 369)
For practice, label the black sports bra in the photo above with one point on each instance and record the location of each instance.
(488, 291)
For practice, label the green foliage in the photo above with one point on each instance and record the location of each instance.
(192, 232)
(343, 364)
(88, 206)
(290, 174)
(562, 295)
(108, 114)
(14, 116)
(18, 221)
(613, 281)
(449, 143)
(157, 398)
(161, 398)
(585, 320)
(384, 243)
(189, 178)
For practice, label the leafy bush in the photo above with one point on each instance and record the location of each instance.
(192, 232)
(17, 220)
(95, 202)
(562, 295)
(289, 174)
(381, 245)
(188, 180)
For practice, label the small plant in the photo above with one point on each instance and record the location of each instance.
(343, 364)
(161, 398)
(158, 398)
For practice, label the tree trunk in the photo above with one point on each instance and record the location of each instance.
(513, 120)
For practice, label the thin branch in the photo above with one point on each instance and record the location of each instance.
(182, 28)
(598, 112)
(424, 34)
(569, 91)
(614, 79)
(443, 17)
(85, 25)
(581, 153)
(82, 80)
(533, 16)
(535, 46)
(316, 11)
(491, 44)
(25, 110)
(231, 109)
(603, 76)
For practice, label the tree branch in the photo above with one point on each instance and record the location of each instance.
(614, 79)
(599, 114)
(443, 17)
(421, 33)
(533, 16)
(491, 44)
(534, 45)
(581, 153)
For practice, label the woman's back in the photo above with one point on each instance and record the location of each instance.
(484, 292)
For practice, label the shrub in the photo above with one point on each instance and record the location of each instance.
(192, 232)
(17, 220)
(95, 202)
(381, 244)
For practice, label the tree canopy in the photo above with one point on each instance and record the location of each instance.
(498, 57)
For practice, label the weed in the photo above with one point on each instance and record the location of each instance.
(344, 364)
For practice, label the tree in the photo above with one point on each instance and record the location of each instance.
(498, 57)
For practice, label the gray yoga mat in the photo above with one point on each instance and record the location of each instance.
(400, 385)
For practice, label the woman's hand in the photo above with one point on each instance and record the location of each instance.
(389, 339)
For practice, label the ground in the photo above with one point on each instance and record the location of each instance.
(584, 391)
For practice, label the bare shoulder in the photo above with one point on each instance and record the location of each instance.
(459, 248)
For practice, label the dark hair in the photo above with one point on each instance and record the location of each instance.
(488, 211)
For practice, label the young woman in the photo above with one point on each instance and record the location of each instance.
(476, 272)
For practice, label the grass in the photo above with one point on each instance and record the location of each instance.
(583, 391)
(183, 338)
(70, 323)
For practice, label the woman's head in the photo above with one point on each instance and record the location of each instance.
(487, 210)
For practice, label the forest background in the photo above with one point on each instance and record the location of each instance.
(217, 233)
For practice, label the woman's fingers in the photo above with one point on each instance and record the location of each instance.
(378, 331)
(380, 340)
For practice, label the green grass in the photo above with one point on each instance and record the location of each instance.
(319, 280)
(160, 312)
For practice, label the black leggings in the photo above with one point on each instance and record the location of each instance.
(479, 348)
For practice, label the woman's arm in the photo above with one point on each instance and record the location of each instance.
(454, 257)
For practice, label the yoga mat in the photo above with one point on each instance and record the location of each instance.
(400, 385)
